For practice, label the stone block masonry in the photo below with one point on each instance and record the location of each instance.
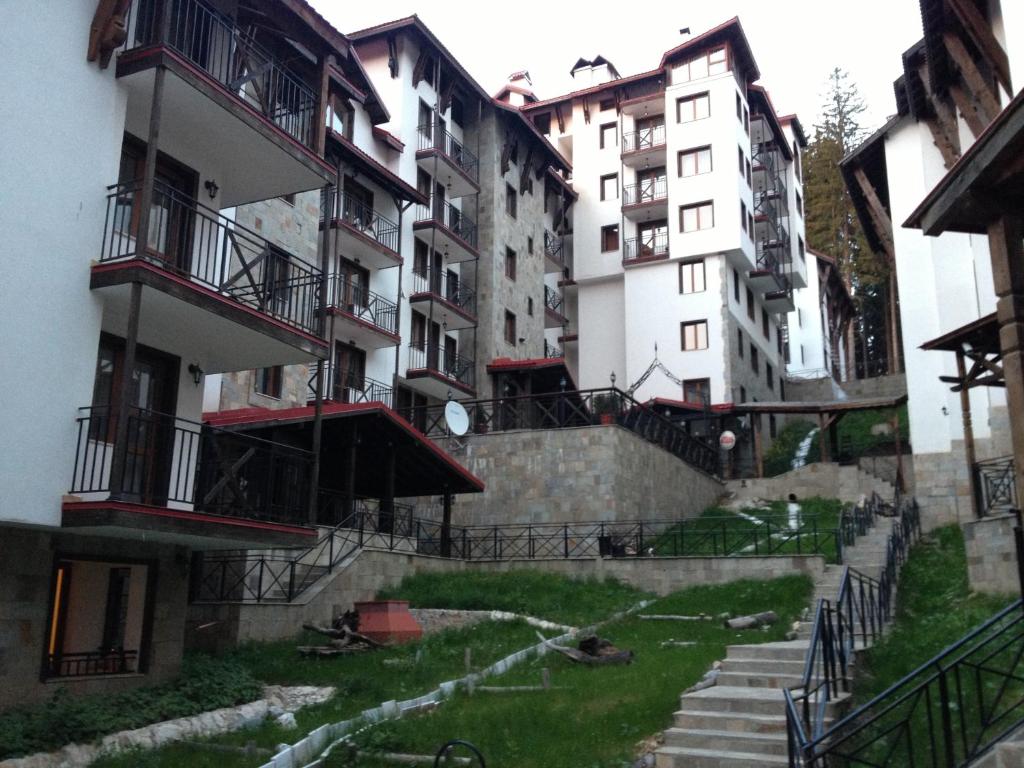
(992, 554)
(830, 481)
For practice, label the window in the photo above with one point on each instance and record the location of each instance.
(778, 345)
(750, 176)
(605, 104)
(268, 381)
(739, 341)
(609, 135)
(695, 161)
(739, 108)
(543, 123)
(426, 119)
(690, 108)
(610, 187)
(511, 200)
(708, 63)
(743, 394)
(746, 120)
(772, 427)
(696, 390)
(736, 286)
(743, 216)
(799, 204)
(754, 363)
(740, 158)
(458, 111)
(697, 216)
(750, 304)
(692, 277)
(800, 247)
(610, 238)
(796, 160)
(529, 305)
(510, 328)
(799, 318)
(765, 328)
(694, 335)
(529, 245)
(769, 376)
(510, 264)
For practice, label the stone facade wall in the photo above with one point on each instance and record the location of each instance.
(831, 481)
(826, 388)
(372, 571)
(26, 574)
(992, 554)
(576, 475)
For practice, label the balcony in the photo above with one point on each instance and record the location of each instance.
(348, 386)
(227, 95)
(448, 161)
(446, 228)
(550, 350)
(437, 370)
(644, 148)
(554, 308)
(555, 253)
(644, 248)
(444, 298)
(186, 482)
(207, 281)
(363, 235)
(365, 317)
(646, 200)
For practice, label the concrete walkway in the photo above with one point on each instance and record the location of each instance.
(741, 721)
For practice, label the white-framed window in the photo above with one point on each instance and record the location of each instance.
(693, 162)
(692, 276)
(694, 335)
(696, 216)
(690, 108)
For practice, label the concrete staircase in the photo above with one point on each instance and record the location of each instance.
(741, 722)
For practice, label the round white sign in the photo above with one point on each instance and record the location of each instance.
(727, 440)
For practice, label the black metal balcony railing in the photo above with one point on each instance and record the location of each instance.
(449, 217)
(996, 486)
(649, 246)
(433, 137)
(216, 44)
(553, 301)
(116, 662)
(447, 287)
(365, 220)
(200, 244)
(444, 361)
(360, 302)
(647, 138)
(648, 191)
(349, 386)
(550, 350)
(170, 460)
(554, 247)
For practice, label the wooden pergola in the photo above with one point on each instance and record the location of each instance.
(827, 413)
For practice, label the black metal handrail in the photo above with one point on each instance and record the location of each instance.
(368, 222)
(89, 663)
(650, 246)
(647, 138)
(431, 136)
(199, 244)
(648, 191)
(577, 408)
(170, 460)
(553, 301)
(216, 44)
(344, 385)
(554, 247)
(442, 360)
(995, 484)
(445, 286)
(448, 216)
(550, 350)
(357, 300)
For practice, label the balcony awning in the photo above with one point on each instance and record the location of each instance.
(821, 407)
(545, 373)
(978, 342)
(421, 467)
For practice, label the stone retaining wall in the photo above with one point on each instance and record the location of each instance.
(830, 481)
(992, 554)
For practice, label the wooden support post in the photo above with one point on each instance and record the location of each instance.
(446, 525)
(351, 452)
(1006, 246)
(823, 437)
(755, 426)
(965, 412)
(833, 438)
(120, 457)
(386, 518)
(318, 407)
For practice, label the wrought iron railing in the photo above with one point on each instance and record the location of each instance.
(648, 191)
(201, 245)
(554, 301)
(554, 247)
(858, 615)
(357, 300)
(446, 286)
(115, 662)
(451, 218)
(343, 385)
(168, 460)
(647, 138)
(444, 361)
(996, 486)
(550, 350)
(215, 43)
(432, 137)
(650, 246)
(364, 219)
(578, 408)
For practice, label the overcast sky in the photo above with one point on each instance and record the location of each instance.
(796, 42)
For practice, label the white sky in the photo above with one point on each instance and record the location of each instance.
(796, 42)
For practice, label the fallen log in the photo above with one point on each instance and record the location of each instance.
(344, 634)
(765, 618)
(402, 759)
(668, 617)
(608, 656)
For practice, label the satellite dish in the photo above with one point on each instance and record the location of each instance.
(456, 418)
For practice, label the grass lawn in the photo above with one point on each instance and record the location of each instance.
(596, 716)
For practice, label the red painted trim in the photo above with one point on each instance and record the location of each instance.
(570, 338)
(508, 364)
(364, 323)
(180, 514)
(687, 405)
(389, 138)
(426, 295)
(201, 289)
(644, 260)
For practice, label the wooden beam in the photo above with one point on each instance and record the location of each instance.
(393, 56)
(586, 110)
(985, 100)
(981, 35)
(560, 118)
(881, 219)
(320, 139)
(943, 125)
(524, 174)
(975, 122)
(965, 414)
(420, 68)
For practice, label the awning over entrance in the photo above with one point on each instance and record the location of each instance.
(535, 376)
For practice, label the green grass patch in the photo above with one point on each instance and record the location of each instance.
(778, 459)
(596, 716)
(533, 593)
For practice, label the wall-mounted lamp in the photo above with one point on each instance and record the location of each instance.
(612, 379)
(197, 373)
(945, 411)
(211, 188)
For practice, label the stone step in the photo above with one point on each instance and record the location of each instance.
(785, 650)
(735, 698)
(736, 741)
(760, 679)
(691, 718)
(1010, 755)
(685, 757)
(759, 665)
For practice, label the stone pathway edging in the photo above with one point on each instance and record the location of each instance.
(276, 701)
(307, 752)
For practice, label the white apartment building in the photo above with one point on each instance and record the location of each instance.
(688, 229)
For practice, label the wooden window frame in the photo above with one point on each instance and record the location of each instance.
(615, 134)
(601, 185)
(695, 152)
(696, 206)
(511, 201)
(692, 101)
(692, 264)
(605, 230)
(511, 264)
(695, 324)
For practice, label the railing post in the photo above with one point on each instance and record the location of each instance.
(947, 720)
(259, 581)
(640, 542)
(529, 541)
(565, 540)
(291, 581)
